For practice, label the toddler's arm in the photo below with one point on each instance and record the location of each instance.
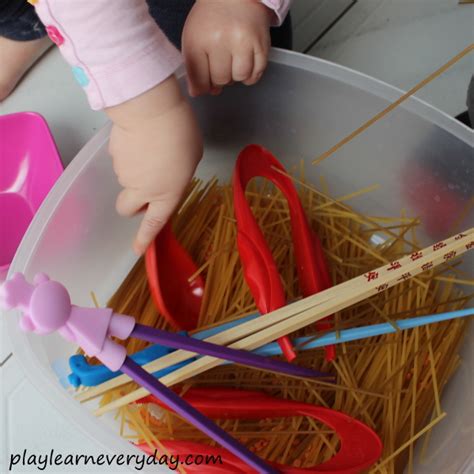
(115, 48)
(125, 64)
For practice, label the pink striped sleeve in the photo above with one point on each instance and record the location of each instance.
(280, 7)
(115, 48)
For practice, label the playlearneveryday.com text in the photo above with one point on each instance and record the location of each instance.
(137, 461)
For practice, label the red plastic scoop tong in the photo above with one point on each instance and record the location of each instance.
(360, 447)
(168, 268)
(260, 269)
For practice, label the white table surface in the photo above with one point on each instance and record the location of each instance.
(28, 420)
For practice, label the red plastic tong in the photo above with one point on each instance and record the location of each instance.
(260, 269)
(168, 268)
(360, 447)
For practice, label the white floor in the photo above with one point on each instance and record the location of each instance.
(398, 41)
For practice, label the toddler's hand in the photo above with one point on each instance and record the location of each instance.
(225, 41)
(155, 145)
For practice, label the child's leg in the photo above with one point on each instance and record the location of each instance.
(171, 15)
(282, 37)
(22, 41)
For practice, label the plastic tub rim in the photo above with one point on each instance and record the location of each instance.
(383, 89)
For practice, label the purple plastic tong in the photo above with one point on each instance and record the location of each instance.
(46, 307)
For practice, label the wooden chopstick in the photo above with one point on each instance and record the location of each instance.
(250, 327)
(312, 309)
(233, 334)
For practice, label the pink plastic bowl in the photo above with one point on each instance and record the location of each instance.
(29, 166)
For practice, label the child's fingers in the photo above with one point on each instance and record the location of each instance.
(150, 226)
(220, 67)
(260, 60)
(156, 216)
(129, 203)
(197, 67)
(242, 66)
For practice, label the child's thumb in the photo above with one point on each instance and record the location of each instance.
(129, 203)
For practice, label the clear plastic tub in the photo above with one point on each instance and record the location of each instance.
(301, 107)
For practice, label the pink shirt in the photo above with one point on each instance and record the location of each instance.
(116, 53)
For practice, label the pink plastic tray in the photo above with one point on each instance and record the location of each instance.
(29, 166)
